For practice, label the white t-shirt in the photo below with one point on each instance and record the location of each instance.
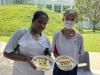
(71, 47)
(29, 46)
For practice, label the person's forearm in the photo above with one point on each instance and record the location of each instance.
(17, 57)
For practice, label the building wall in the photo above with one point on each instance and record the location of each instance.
(4, 2)
(55, 4)
(45, 2)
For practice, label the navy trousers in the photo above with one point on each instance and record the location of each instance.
(57, 71)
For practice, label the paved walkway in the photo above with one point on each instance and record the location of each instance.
(93, 64)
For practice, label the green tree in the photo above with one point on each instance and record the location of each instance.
(90, 9)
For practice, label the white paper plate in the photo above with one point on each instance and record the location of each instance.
(43, 63)
(65, 63)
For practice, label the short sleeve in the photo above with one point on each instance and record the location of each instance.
(54, 42)
(81, 45)
(13, 41)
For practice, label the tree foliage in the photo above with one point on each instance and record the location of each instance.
(89, 9)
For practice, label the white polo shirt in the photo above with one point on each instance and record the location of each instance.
(71, 47)
(29, 46)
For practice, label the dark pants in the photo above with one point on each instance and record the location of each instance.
(57, 71)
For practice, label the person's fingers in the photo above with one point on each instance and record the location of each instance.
(32, 65)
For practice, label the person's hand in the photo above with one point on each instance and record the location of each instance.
(32, 65)
(29, 60)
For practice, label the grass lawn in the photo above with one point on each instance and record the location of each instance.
(13, 17)
(91, 41)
